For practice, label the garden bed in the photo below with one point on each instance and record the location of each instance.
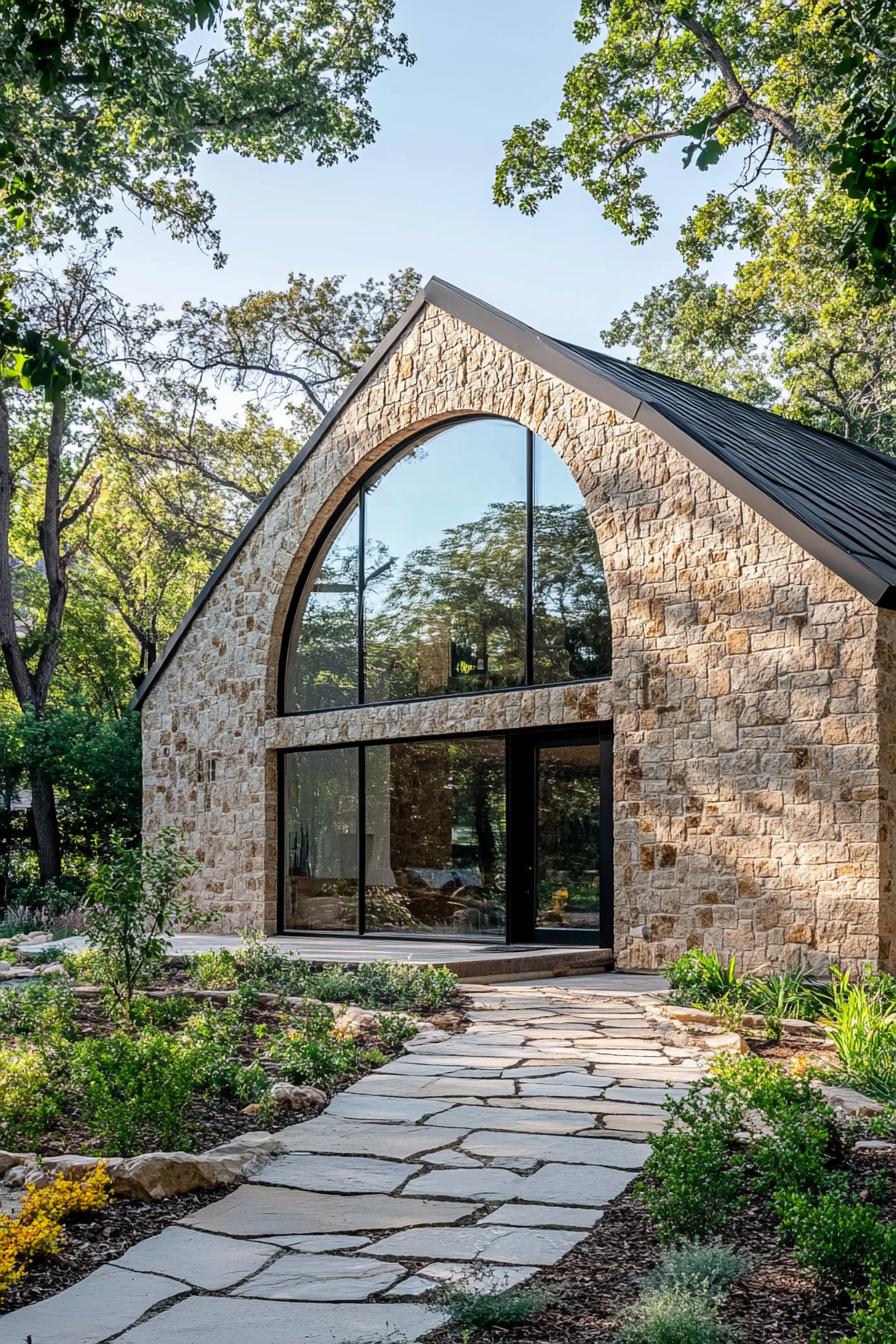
(204, 1053)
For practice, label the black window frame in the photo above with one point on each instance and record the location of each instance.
(358, 495)
(520, 803)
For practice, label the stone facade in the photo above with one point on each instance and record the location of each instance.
(753, 692)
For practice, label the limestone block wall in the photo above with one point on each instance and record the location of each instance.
(751, 789)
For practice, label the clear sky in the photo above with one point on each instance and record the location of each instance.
(421, 196)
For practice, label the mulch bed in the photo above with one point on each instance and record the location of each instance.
(776, 1303)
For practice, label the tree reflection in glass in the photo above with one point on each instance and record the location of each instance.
(322, 659)
(448, 613)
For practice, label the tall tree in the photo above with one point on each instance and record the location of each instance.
(120, 98)
(49, 486)
(808, 324)
(300, 345)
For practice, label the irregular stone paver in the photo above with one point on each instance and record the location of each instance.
(557, 1183)
(203, 1260)
(500, 1245)
(539, 1109)
(325, 1134)
(321, 1278)
(538, 1215)
(559, 1148)
(264, 1210)
(450, 1157)
(463, 1275)
(486, 1184)
(521, 1119)
(343, 1175)
(319, 1243)
(355, 1106)
(234, 1320)
(103, 1304)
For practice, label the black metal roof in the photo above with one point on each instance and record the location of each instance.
(835, 498)
(844, 491)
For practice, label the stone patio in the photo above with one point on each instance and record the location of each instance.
(472, 1160)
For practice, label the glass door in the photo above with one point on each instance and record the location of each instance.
(561, 860)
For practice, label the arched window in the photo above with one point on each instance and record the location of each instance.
(466, 563)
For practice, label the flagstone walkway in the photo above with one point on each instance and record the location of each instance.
(473, 1159)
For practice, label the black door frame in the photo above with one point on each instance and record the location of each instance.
(520, 745)
(522, 839)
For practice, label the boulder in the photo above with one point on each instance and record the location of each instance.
(297, 1098)
(51, 968)
(18, 973)
(848, 1102)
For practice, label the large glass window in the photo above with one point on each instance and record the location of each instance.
(468, 563)
(445, 566)
(435, 837)
(320, 822)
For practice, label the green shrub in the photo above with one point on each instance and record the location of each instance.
(133, 1091)
(43, 1009)
(673, 1316)
(841, 1241)
(87, 967)
(698, 978)
(781, 995)
(706, 1267)
(214, 1037)
(393, 1029)
(30, 1098)
(312, 1054)
(168, 1013)
(385, 984)
(133, 902)
(470, 1310)
(215, 969)
(874, 1321)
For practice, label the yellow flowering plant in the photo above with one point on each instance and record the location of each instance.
(37, 1228)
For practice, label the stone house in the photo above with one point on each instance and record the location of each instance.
(533, 645)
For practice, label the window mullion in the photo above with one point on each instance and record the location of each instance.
(530, 558)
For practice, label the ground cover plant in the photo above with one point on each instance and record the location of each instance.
(752, 1135)
(858, 1014)
(37, 1229)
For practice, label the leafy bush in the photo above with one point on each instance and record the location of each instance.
(781, 995)
(841, 1240)
(469, 1310)
(215, 969)
(168, 1013)
(43, 1009)
(674, 1315)
(699, 1172)
(37, 1228)
(698, 978)
(694, 1181)
(393, 1029)
(874, 1322)
(86, 967)
(385, 984)
(706, 1267)
(133, 1091)
(313, 1054)
(133, 902)
(30, 1098)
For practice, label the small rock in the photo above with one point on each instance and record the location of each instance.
(690, 1015)
(353, 1021)
(848, 1101)
(798, 1026)
(18, 973)
(254, 1108)
(5, 965)
(881, 1146)
(725, 1040)
(297, 1098)
(10, 1160)
(51, 968)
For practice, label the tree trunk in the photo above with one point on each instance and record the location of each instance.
(46, 826)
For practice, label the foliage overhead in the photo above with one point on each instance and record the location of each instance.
(107, 98)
